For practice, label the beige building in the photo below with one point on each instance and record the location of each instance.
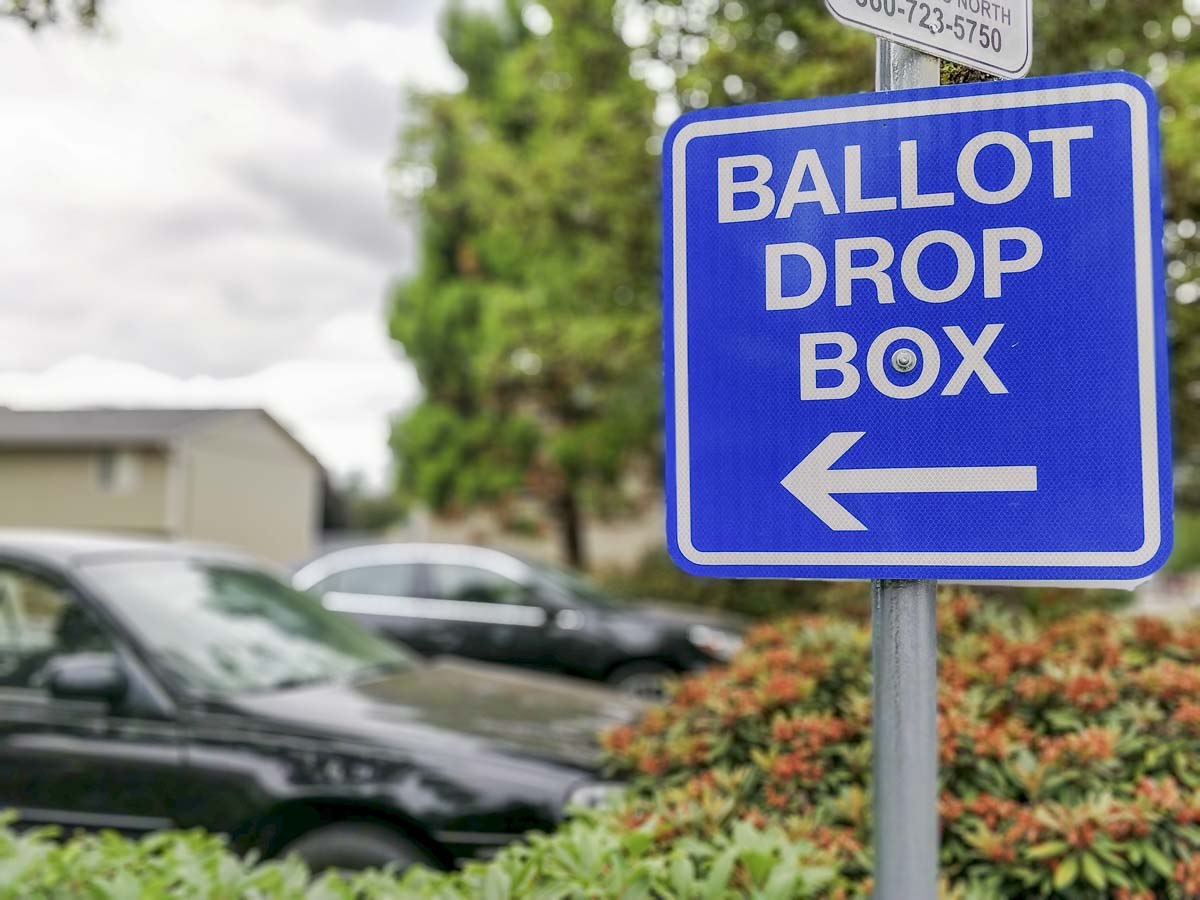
(233, 476)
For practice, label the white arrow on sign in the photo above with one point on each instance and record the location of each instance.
(813, 481)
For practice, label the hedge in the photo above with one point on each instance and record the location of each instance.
(592, 856)
(1070, 766)
(1070, 753)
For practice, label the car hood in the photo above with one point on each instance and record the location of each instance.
(450, 706)
(663, 613)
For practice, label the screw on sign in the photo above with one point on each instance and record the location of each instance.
(919, 335)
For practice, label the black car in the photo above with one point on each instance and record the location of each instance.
(147, 686)
(490, 605)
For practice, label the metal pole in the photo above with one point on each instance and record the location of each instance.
(897, 67)
(904, 658)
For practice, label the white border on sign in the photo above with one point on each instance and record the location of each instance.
(1143, 275)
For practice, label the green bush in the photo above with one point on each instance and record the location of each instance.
(1070, 752)
(1185, 556)
(594, 856)
(658, 577)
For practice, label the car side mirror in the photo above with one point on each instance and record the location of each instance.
(86, 676)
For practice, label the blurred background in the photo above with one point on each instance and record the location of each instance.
(287, 275)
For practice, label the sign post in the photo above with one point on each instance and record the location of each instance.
(904, 660)
(918, 335)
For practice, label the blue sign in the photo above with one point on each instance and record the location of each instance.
(919, 334)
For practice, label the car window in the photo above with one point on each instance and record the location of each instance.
(390, 581)
(450, 582)
(229, 629)
(573, 585)
(39, 620)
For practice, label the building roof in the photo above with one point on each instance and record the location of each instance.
(101, 427)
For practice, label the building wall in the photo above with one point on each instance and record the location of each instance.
(241, 481)
(93, 489)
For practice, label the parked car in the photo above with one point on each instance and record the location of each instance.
(493, 606)
(148, 685)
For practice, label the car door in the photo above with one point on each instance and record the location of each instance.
(391, 598)
(74, 763)
(496, 617)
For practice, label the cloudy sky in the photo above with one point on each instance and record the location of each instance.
(194, 211)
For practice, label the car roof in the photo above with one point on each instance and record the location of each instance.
(384, 553)
(68, 548)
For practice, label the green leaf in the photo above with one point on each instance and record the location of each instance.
(718, 877)
(759, 863)
(1048, 849)
(1066, 872)
(782, 883)
(1158, 861)
(496, 884)
(637, 842)
(1093, 871)
(683, 875)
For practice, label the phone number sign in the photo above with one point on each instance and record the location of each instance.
(991, 35)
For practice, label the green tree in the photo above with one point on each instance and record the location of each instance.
(533, 320)
(696, 53)
(39, 13)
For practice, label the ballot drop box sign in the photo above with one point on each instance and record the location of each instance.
(919, 334)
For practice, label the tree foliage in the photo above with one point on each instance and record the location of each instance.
(704, 52)
(39, 13)
(533, 319)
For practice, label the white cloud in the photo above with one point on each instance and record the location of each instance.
(194, 210)
(338, 408)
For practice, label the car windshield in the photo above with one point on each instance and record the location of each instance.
(225, 629)
(574, 584)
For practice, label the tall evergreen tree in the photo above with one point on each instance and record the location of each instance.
(533, 320)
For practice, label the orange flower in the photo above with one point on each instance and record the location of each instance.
(1129, 894)
(950, 808)
(1163, 794)
(1093, 691)
(1187, 714)
(782, 688)
(692, 692)
(993, 810)
(793, 766)
(1169, 681)
(777, 798)
(1089, 745)
(618, 739)
(653, 764)
(1154, 632)
(755, 818)
(1187, 874)
(1034, 687)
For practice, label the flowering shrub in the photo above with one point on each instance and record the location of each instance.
(1070, 752)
